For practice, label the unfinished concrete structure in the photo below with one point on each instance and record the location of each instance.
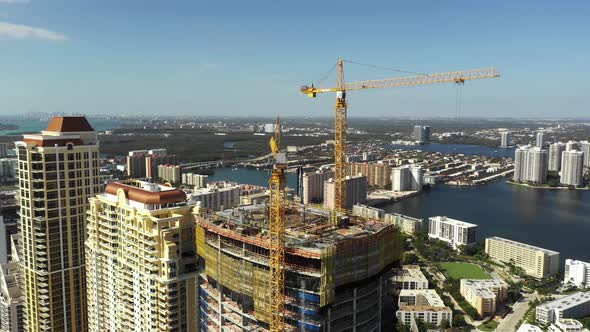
(336, 270)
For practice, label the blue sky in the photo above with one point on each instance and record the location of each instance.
(250, 57)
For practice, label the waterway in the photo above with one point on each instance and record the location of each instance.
(35, 126)
(459, 148)
(553, 219)
(249, 176)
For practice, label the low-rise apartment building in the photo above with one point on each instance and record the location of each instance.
(572, 306)
(406, 224)
(409, 277)
(534, 261)
(423, 304)
(484, 295)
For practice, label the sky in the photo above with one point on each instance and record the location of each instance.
(249, 58)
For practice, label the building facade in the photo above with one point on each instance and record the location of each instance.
(484, 295)
(585, 147)
(141, 259)
(196, 180)
(555, 151)
(534, 261)
(455, 232)
(11, 298)
(577, 273)
(368, 212)
(217, 198)
(572, 168)
(58, 172)
(409, 277)
(378, 174)
(572, 306)
(540, 140)
(8, 167)
(407, 178)
(421, 134)
(422, 304)
(530, 164)
(335, 280)
(170, 173)
(504, 139)
(406, 224)
(313, 186)
(356, 192)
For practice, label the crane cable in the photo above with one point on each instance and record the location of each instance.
(458, 100)
(386, 68)
(321, 80)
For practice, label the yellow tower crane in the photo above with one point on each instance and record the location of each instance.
(341, 126)
(277, 203)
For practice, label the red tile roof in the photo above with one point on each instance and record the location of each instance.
(69, 124)
(145, 196)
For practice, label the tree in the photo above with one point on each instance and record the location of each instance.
(444, 324)
(409, 258)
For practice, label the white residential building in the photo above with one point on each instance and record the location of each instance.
(408, 225)
(368, 212)
(566, 325)
(530, 164)
(585, 147)
(555, 151)
(423, 304)
(11, 298)
(504, 139)
(217, 198)
(577, 273)
(406, 178)
(529, 328)
(409, 277)
(454, 232)
(540, 142)
(573, 306)
(572, 167)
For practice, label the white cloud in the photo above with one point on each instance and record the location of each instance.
(14, 1)
(18, 31)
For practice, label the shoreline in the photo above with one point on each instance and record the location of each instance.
(543, 187)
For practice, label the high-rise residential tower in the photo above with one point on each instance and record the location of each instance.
(421, 134)
(555, 151)
(504, 139)
(585, 147)
(572, 167)
(540, 142)
(530, 164)
(58, 171)
(141, 259)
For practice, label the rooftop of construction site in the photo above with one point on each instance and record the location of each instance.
(306, 227)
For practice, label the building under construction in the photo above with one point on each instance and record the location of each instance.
(335, 270)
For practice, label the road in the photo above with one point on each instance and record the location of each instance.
(519, 309)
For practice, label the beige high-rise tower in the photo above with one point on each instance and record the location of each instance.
(141, 260)
(58, 171)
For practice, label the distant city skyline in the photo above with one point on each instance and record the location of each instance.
(238, 59)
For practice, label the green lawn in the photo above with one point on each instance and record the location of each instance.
(457, 270)
(489, 326)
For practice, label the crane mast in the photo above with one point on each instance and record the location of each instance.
(340, 119)
(277, 203)
(340, 130)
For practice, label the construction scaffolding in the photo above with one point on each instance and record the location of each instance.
(322, 263)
